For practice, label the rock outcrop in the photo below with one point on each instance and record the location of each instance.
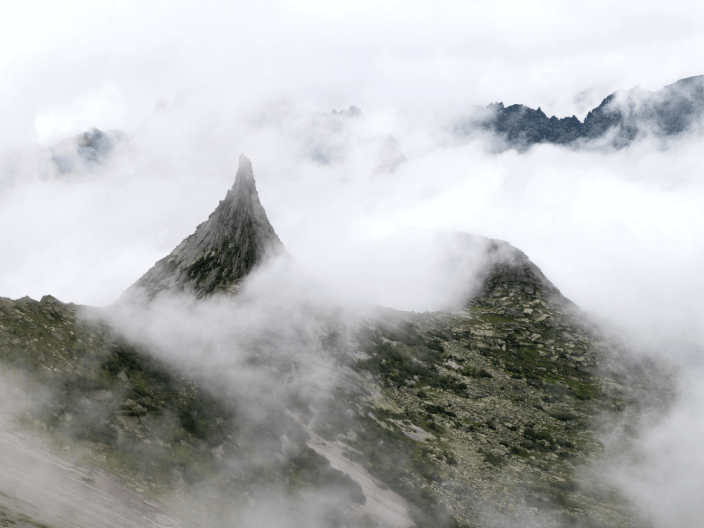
(236, 238)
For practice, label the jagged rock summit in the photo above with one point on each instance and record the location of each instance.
(235, 239)
(621, 118)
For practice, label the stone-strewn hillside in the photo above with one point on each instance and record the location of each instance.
(507, 397)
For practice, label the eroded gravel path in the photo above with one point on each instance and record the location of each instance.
(383, 505)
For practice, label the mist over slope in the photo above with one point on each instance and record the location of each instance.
(282, 403)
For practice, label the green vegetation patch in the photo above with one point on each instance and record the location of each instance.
(412, 361)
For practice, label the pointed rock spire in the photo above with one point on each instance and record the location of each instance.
(235, 239)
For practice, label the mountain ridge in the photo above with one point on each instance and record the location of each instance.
(620, 119)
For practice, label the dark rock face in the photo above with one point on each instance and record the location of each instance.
(625, 115)
(232, 242)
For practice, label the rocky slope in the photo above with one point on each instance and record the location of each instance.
(621, 118)
(488, 415)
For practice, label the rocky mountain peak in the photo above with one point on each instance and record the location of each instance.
(235, 239)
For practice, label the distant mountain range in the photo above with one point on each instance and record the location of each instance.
(320, 137)
(620, 119)
(85, 150)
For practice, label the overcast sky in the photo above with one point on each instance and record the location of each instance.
(195, 84)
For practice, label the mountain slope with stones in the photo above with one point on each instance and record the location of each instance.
(488, 415)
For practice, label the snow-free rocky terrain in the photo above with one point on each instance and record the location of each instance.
(312, 413)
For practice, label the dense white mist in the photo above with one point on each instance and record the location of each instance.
(277, 317)
(261, 352)
(662, 478)
(615, 231)
(619, 232)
